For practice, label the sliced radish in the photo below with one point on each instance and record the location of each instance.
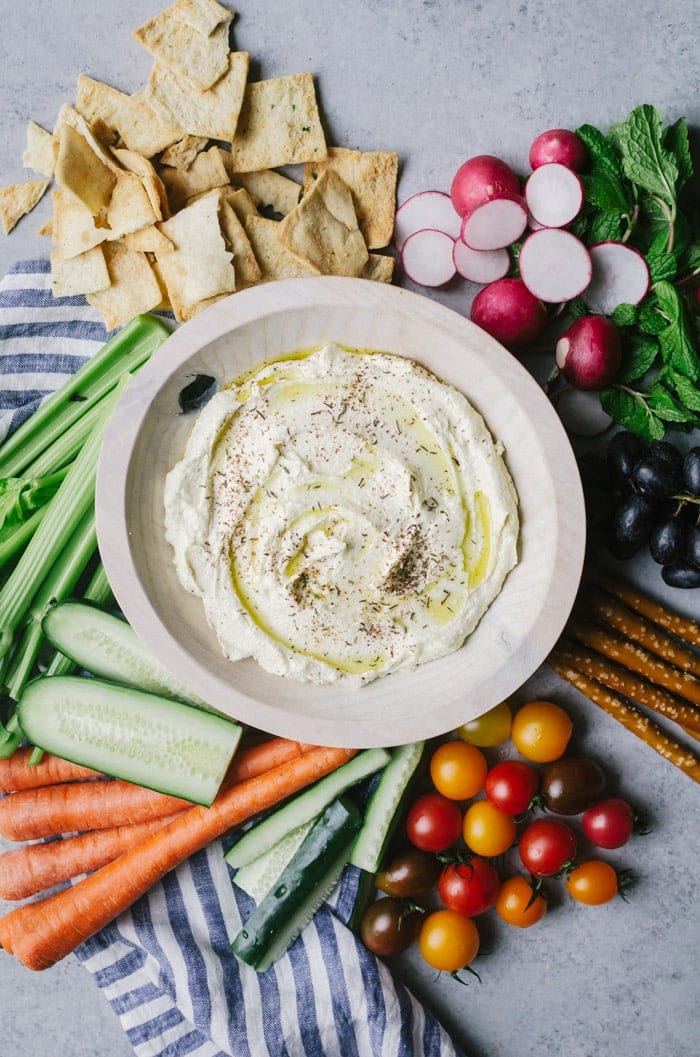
(554, 195)
(554, 265)
(581, 413)
(426, 257)
(620, 276)
(480, 266)
(534, 225)
(425, 210)
(496, 223)
(479, 179)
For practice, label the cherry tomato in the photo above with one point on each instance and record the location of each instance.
(592, 882)
(433, 822)
(489, 730)
(389, 927)
(609, 823)
(572, 784)
(458, 770)
(448, 941)
(541, 731)
(469, 888)
(511, 785)
(408, 874)
(512, 903)
(486, 830)
(546, 846)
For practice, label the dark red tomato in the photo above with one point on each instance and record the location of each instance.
(511, 785)
(434, 822)
(609, 823)
(572, 784)
(389, 927)
(409, 873)
(546, 846)
(469, 888)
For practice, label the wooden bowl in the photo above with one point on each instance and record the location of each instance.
(147, 435)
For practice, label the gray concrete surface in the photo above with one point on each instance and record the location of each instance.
(436, 80)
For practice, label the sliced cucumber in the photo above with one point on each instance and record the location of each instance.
(108, 647)
(304, 807)
(126, 733)
(303, 886)
(259, 876)
(382, 810)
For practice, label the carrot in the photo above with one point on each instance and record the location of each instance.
(35, 867)
(682, 627)
(17, 773)
(263, 756)
(42, 933)
(630, 717)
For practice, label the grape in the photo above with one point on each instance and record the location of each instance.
(691, 471)
(667, 541)
(632, 522)
(681, 574)
(657, 477)
(692, 547)
(663, 449)
(624, 450)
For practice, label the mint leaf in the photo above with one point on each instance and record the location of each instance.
(577, 308)
(662, 266)
(645, 161)
(665, 406)
(604, 227)
(638, 356)
(688, 392)
(649, 319)
(606, 191)
(624, 315)
(678, 347)
(601, 151)
(675, 139)
(630, 410)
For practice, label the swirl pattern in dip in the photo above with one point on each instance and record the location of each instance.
(343, 514)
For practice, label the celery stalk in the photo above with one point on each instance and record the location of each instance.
(12, 542)
(65, 448)
(126, 351)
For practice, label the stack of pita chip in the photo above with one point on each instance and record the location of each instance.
(171, 198)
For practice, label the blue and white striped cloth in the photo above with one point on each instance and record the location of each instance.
(165, 966)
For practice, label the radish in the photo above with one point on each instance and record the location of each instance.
(479, 179)
(426, 257)
(508, 312)
(561, 146)
(554, 195)
(480, 266)
(589, 354)
(620, 276)
(580, 412)
(426, 209)
(555, 265)
(496, 223)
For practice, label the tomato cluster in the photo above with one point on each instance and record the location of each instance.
(461, 829)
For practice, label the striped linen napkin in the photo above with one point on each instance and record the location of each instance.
(165, 965)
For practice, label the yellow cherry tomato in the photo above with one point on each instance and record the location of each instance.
(541, 731)
(515, 904)
(486, 830)
(593, 882)
(489, 730)
(448, 941)
(458, 770)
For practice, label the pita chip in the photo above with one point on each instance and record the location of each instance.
(323, 229)
(199, 58)
(130, 207)
(18, 199)
(274, 260)
(212, 113)
(137, 124)
(279, 124)
(135, 163)
(147, 240)
(371, 177)
(247, 269)
(180, 155)
(206, 172)
(203, 15)
(73, 227)
(379, 267)
(133, 287)
(85, 274)
(243, 204)
(271, 189)
(39, 154)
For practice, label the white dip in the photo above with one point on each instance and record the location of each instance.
(342, 515)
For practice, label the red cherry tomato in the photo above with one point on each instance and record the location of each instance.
(434, 822)
(546, 846)
(609, 823)
(469, 888)
(511, 785)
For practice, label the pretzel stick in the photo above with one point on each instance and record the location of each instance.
(630, 718)
(609, 610)
(637, 660)
(630, 685)
(680, 626)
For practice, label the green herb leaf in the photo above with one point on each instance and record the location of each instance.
(601, 151)
(631, 411)
(649, 319)
(675, 139)
(665, 406)
(638, 356)
(577, 308)
(688, 392)
(645, 161)
(604, 227)
(624, 315)
(605, 191)
(678, 347)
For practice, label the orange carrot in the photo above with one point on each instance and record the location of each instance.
(42, 933)
(36, 867)
(263, 756)
(17, 773)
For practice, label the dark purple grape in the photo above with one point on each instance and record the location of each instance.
(624, 450)
(632, 523)
(681, 574)
(667, 540)
(692, 545)
(663, 449)
(657, 477)
(691, 471)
